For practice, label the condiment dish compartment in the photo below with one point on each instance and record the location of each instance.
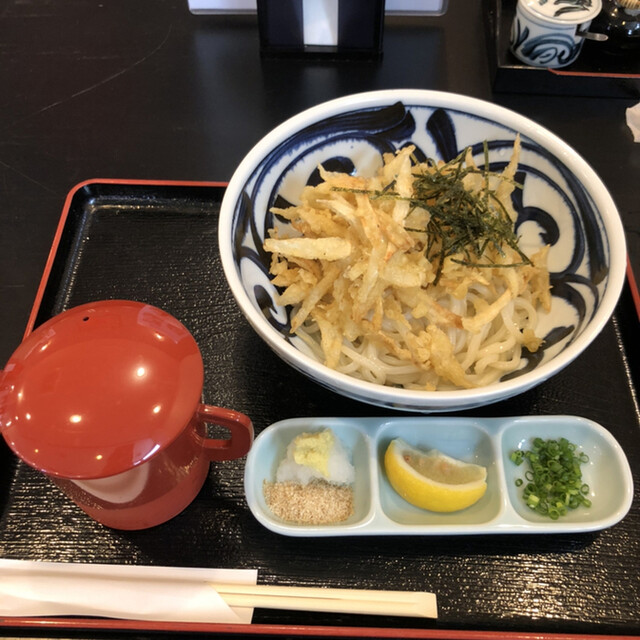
(379, 510)
(272, 447)
(606, 472)
(461, 438)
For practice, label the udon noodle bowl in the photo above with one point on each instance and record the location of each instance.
(412, 277)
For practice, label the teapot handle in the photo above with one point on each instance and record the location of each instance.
(239, 425)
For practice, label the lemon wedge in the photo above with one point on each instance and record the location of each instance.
(432, 480)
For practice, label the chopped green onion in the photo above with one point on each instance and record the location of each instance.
(554, 478)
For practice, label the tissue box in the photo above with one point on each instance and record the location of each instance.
(342, 28)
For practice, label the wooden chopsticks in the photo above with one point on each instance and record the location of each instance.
(418, 604)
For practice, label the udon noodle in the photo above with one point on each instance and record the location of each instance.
(412, 277)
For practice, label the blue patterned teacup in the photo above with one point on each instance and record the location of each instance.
(550, 33)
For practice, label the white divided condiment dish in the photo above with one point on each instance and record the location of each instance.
(379, 510)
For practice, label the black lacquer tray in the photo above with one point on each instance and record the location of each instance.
(594, 73)
(157, 242)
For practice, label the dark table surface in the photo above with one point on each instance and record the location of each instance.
(143, 90)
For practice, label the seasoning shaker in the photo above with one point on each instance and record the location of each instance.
(550, 33)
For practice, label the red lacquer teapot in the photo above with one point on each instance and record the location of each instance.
(105, 399)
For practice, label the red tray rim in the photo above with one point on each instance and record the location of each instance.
(63, 219)
(324, 631)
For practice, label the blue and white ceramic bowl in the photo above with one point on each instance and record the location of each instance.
(563, 204)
